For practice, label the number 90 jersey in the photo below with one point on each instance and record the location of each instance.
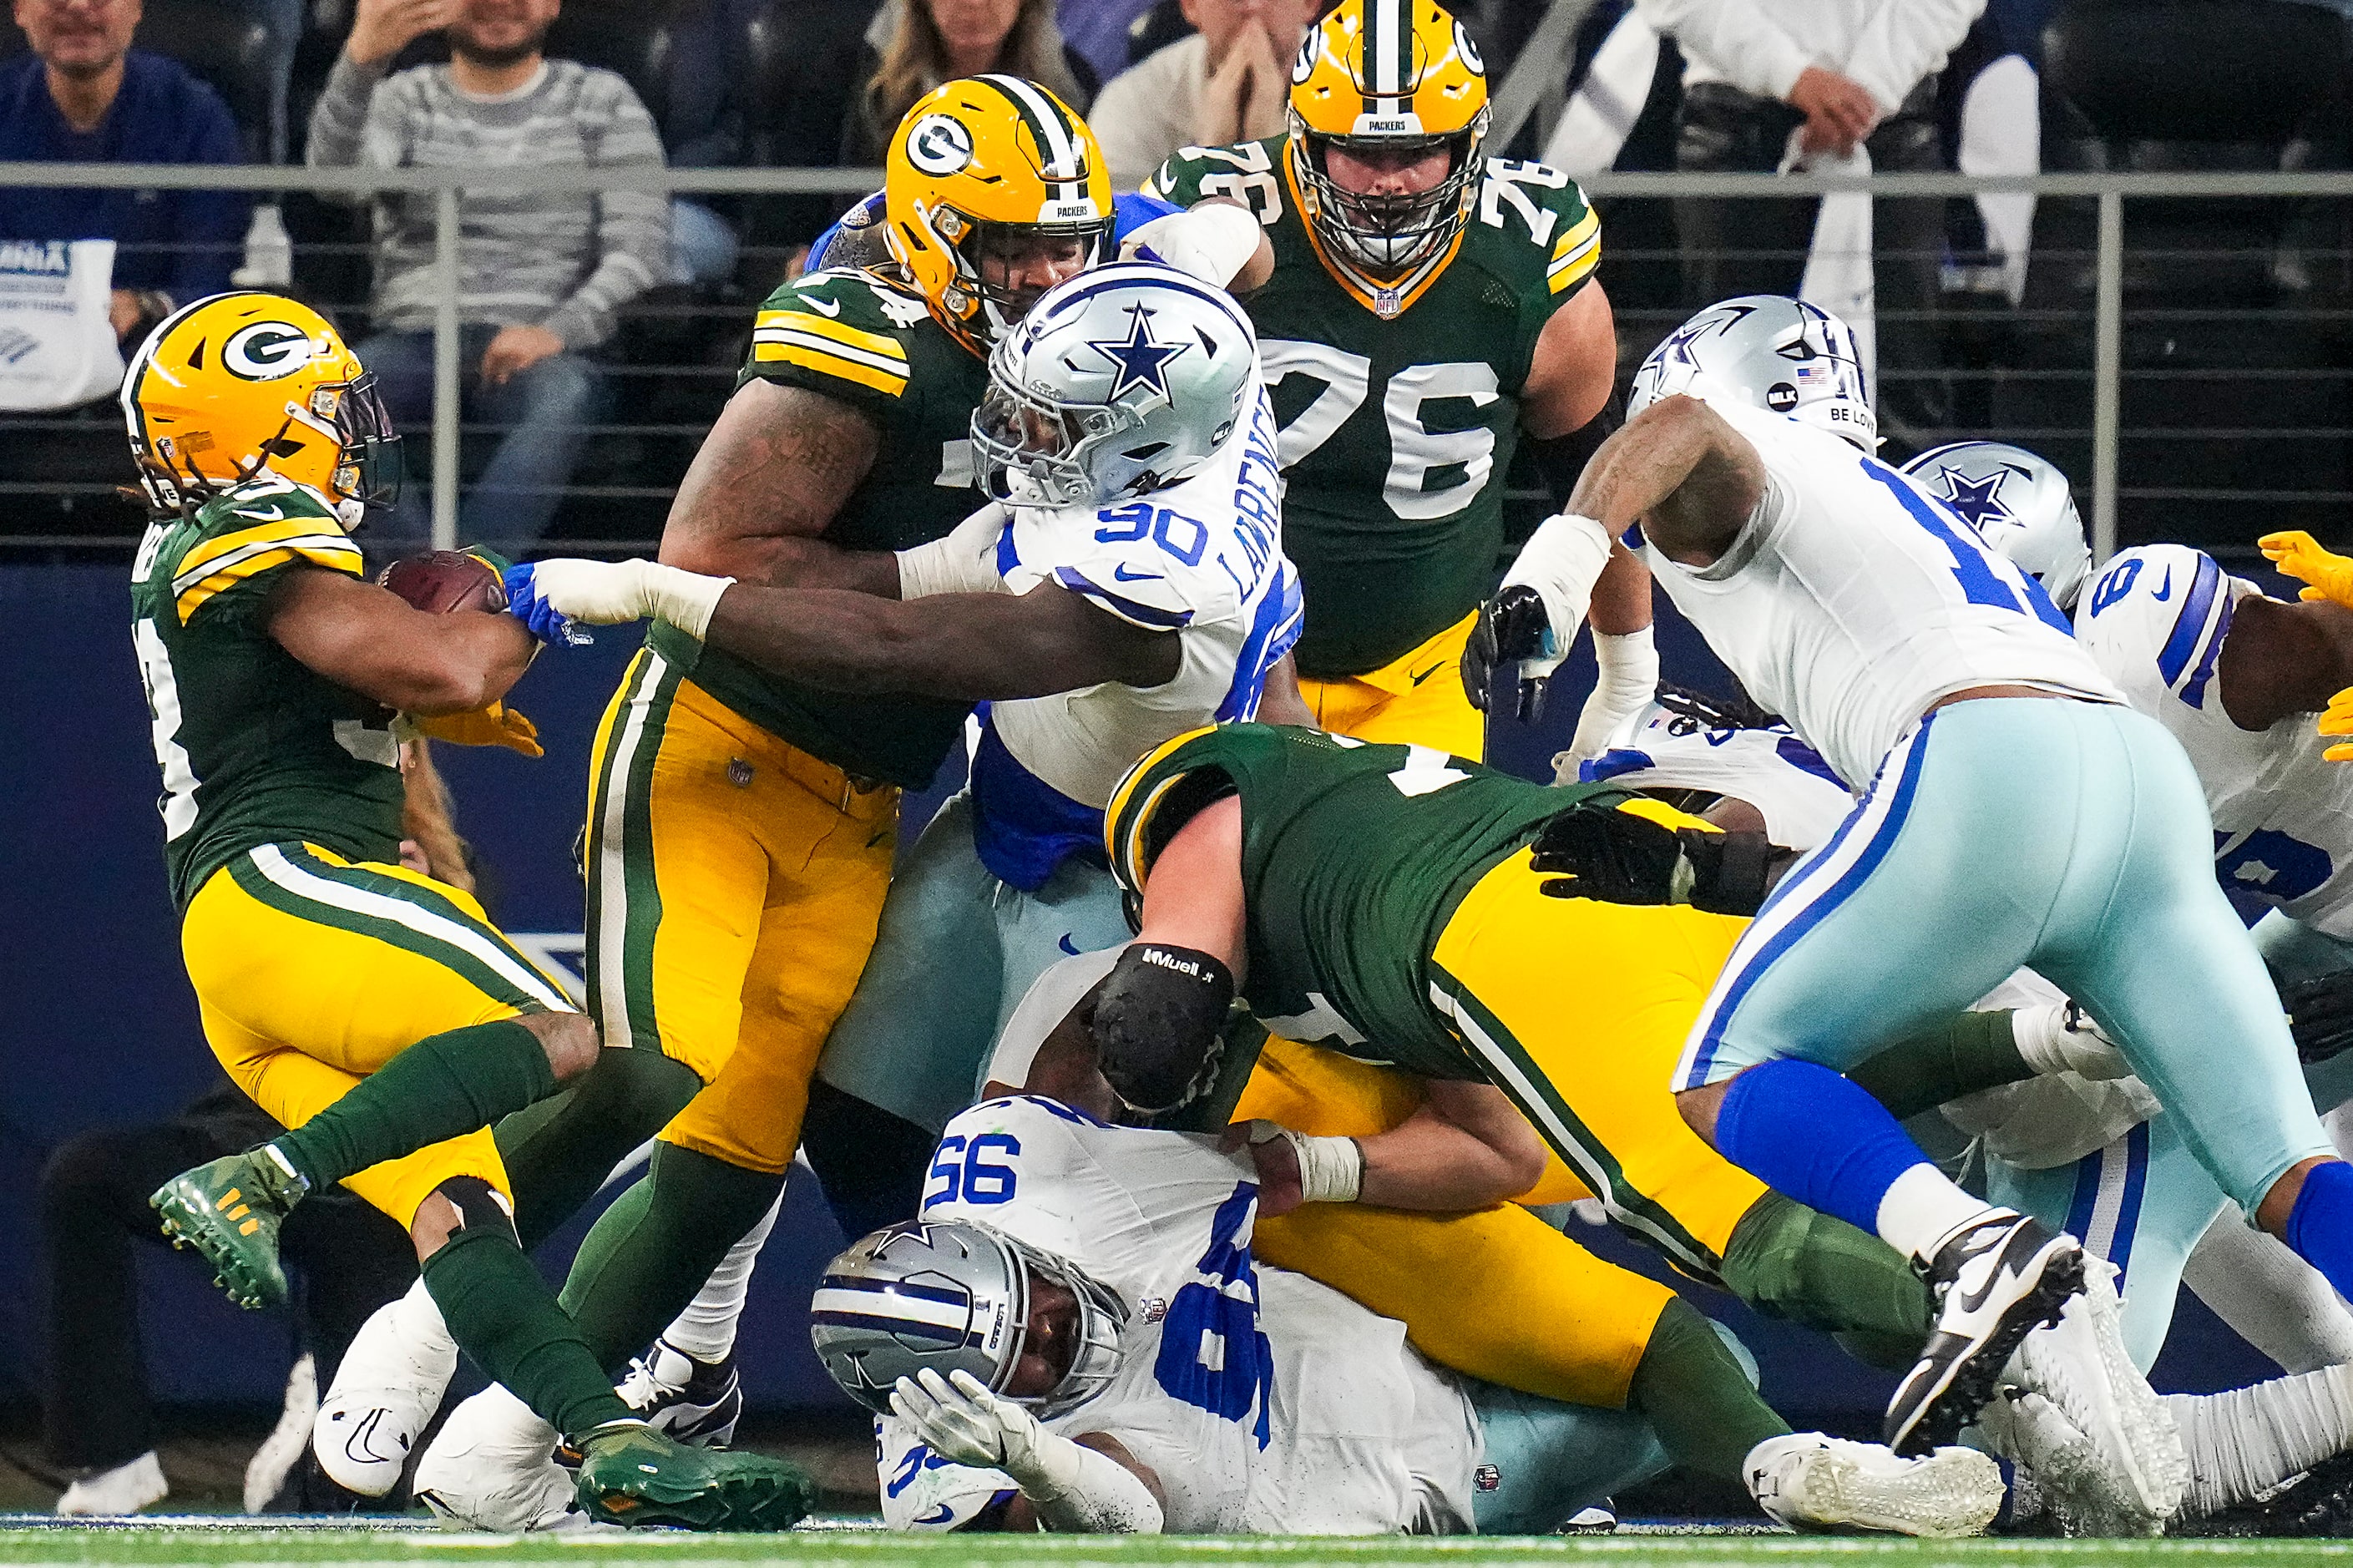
(2154, 619)
(1164, 1220)
(1399, 406)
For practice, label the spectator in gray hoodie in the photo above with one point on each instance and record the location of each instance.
(541, 274)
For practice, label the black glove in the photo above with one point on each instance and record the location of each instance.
(1511, 626)
(1622, 859)
(2320, 1016)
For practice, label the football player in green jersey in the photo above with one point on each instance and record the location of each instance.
(374, 1010)
(1429, 308)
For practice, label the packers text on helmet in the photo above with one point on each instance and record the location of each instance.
(1386, 81)
(987, 176)
(239, 384)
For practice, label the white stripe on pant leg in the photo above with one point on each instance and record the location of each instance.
(2108, 1204)
(612, 933)
(1507, 1076)
(283, 872)
(1795, 895)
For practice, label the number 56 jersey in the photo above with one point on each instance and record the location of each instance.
(2154, 619)
(1400, 404)
(1164, 1220)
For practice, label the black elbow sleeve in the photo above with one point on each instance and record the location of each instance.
(1562, 459)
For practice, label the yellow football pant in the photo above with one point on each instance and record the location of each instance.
(1497, 1293)
(1578, 1010)
(734, 883)
(311, 972)
(1414, 700)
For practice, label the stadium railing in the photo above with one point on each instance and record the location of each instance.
(2098, 365)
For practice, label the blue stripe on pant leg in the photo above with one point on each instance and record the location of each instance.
(1749, 970)
(2128, 1211)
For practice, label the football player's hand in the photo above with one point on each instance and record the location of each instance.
(2320, 1016)
(964, 1422)
(496, 725)
(525, 604)
(2328, 576)
(1513, 628)
(1600, 852)
(2336, 718)
(608, 593)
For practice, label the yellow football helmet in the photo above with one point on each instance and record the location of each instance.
(239, 384)
(985, 169)
(1387, 77)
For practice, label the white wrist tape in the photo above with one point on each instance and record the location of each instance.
(1628, 666)
(685, 599)
(1077, 1489)
(1331, 1170)
(1210, 242)
(2056, 1037)
(964, 562)
(1561, 562)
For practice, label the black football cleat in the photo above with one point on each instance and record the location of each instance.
(1995, 1281)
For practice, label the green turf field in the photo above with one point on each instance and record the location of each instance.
(257, 1546)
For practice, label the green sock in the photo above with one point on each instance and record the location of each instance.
(559, 1151)
(1789, 1261)
(442, 1087)
(501, 1312)
(648, 1254)
(1953, 1056)
(1697, 1396)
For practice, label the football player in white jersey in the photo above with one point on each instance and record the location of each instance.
(2075, 1144)
(2015, 811)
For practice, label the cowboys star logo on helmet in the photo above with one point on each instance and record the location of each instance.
(2018, 503)
(1763, 351)
(1140, 361)
(1978, 501)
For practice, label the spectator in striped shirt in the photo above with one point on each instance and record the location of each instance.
(541, 273)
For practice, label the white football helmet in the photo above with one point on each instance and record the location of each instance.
(2018, 503)
(1766, 351)
(1118, 382)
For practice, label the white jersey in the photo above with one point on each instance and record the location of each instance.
(2154, 619)
(1852, 601)
(1802, 799)
(1262, 1401)
(1201, 561)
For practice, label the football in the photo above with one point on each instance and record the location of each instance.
(440, 581)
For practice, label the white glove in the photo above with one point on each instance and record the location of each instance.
(1210, 242)
(1331, 1170)
(1073, 1487)
(608, 593)
(1628, 666)
(964, 562)
(2059, 1037)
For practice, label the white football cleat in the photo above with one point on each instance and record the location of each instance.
(2130, 1472)
(1810, 1482)
(696, 1402)
(111, 1494)
(492, 1467)
(383, 1398)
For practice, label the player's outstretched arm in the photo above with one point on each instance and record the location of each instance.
(368, 639)
(1465, 1147)
(777, 466)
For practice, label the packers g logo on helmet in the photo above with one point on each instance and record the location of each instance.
(237, 385)
(981, 171)
(1392, 77)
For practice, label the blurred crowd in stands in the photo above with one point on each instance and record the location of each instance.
(599, 330)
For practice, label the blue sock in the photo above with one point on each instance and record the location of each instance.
(2320, 1226)
(1810, 1134)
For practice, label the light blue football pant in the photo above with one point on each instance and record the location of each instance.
(2141, 1203)
(955, 951)
(1546, 1461)
(2006, 831)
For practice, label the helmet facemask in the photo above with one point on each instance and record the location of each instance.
(368, 468)
(1095, 1354)
(991, 308)
(1388, 235)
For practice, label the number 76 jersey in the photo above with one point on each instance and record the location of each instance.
(1400, 404)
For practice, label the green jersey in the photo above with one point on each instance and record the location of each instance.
(1354, 857)
(256, 747)
(858, 337)
(1400, 407)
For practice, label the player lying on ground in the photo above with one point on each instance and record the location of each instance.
(2080, 1146)
(1248, 1439)
(372, 1010)
(742, 823)
(2017, 801)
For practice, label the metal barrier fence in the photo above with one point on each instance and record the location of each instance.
(2235, 299)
